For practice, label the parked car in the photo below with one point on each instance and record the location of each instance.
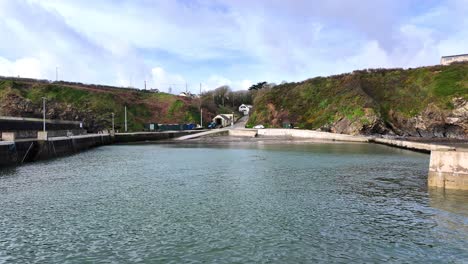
(259, 127)
(212, 125)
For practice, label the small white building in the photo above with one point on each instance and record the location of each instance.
(187, 94)
(223, 120)
(245, 109)
(446, 60)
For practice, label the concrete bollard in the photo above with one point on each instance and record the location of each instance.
(449, 169)
(42, 135)
(8, 136)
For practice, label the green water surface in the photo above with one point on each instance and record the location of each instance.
(232, 203)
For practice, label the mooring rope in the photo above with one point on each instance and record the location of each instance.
(25, 155)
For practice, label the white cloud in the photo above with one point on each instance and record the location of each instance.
(164, 80)
(245, 84)
(24, 67)
(223, 42)
(215, 81)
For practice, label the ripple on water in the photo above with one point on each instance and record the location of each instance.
(268, 203)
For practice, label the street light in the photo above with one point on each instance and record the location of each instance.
(43, 114)
(125, 119)
(113, 131)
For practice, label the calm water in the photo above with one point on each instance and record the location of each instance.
(225, 204)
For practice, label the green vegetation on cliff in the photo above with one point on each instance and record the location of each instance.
(94, 105)
(361, 99)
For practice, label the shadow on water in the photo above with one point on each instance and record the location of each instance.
(7, 171)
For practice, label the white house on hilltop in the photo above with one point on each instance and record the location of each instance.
(243, 108)
(446, 60)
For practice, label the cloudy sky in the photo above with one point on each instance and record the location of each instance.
(214, 42)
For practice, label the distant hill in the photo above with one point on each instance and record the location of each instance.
(93, 104)
(422, 102)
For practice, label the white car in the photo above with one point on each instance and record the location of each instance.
(259, 127)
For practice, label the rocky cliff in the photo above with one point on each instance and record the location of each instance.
(423, 102)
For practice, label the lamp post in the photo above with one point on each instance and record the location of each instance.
(113, 131)
(43, 114)
(125, 118)
(201, 117)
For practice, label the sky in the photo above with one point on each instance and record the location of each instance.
(191, 43)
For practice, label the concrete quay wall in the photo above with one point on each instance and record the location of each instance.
(242, 133)
(300, 133)
(63, 146)
(448, 169)
(8, 153)
(20, 151)
(151, 136)
(422, 147)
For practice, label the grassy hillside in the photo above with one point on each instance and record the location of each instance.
(94, 104)
(362, 98)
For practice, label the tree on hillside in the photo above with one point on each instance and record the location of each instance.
(258, 86)
(221, 94)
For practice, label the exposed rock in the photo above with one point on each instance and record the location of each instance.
(370, 123)
(433, 122)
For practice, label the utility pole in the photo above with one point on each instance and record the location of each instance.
(125, 118)
(201, 110)
(56, 74)
(145, 84)
(186, 88)
(43, 114)
(113, 131)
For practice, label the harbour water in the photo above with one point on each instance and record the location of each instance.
(231, 203)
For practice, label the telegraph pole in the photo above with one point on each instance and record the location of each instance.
(113, 131)
(201, 110)
(43, 114)
(232, 120)
(125, 118)
(145, 84)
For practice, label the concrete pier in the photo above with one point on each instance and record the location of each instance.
(448, 169)
(27, 150)
(301, 133)
(153, 136)
(417, 146)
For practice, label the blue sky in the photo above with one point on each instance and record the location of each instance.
(223, 42)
